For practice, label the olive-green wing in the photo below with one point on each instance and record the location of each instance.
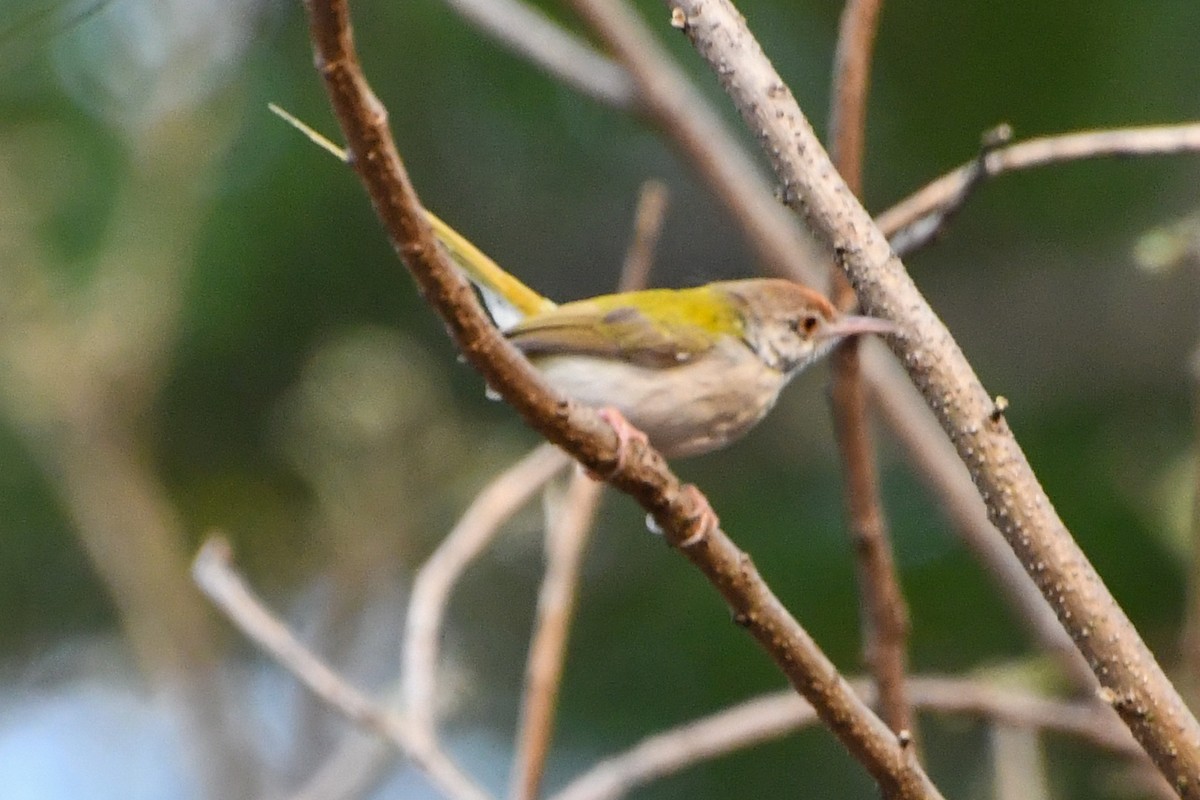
(608, 330)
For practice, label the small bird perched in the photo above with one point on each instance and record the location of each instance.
(694, 369)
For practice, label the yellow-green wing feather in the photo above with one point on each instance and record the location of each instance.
(653, 328)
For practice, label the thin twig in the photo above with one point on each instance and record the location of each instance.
(566, 543)
(884, 611)
(214, 573)
(357, 762)
(773, 716)
(528, 32)
(498, 501)
(929, 201)
(851, 85)
(647, 226)
(1133, 681)
(641, 472)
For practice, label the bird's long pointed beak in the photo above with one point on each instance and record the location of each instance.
(853, 325)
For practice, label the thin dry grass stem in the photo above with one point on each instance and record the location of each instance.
(773, 716)
(884, 611)
(478, 526)
(1133, 682)
(920, 216)
(530, 34)
(567, 533)
(214, 573)
(640, 471)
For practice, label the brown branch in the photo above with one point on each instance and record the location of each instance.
(773, 716)
(642, 473)
(566, 543)
(528, 32)
(936, 463)
(213, 572)
(851, 83)
(925, 206)
(1133, 681)
(884, 611)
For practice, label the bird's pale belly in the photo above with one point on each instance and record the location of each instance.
(685, 410)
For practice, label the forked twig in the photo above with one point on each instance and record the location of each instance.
(498, 501)
(926, 205)
(568, 530)
(214, 573)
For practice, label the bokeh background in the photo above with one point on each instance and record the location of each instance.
(201, 326)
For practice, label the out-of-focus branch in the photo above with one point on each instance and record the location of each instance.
(769, 717)
(926, 206)
(498, 501)
(526, 31)
(884, 612)
(567, 533)
(1133, 681)
(214, 573)
(647, 226)
(851, 85)
(678, 510)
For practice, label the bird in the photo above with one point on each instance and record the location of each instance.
(693, 369)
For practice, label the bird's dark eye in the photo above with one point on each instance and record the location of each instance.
(806, 324)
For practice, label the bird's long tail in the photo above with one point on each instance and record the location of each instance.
(507, 299)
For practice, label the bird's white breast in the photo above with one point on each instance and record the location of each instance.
(687, 409)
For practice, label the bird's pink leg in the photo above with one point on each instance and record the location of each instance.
(625, 432)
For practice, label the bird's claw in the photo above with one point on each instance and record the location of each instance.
(625, 432)
(703, 522)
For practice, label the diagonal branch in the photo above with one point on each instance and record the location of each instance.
(1133, 681)
(930, 201)
(641, 472)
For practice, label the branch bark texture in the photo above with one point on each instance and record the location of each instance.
(1132, 680)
